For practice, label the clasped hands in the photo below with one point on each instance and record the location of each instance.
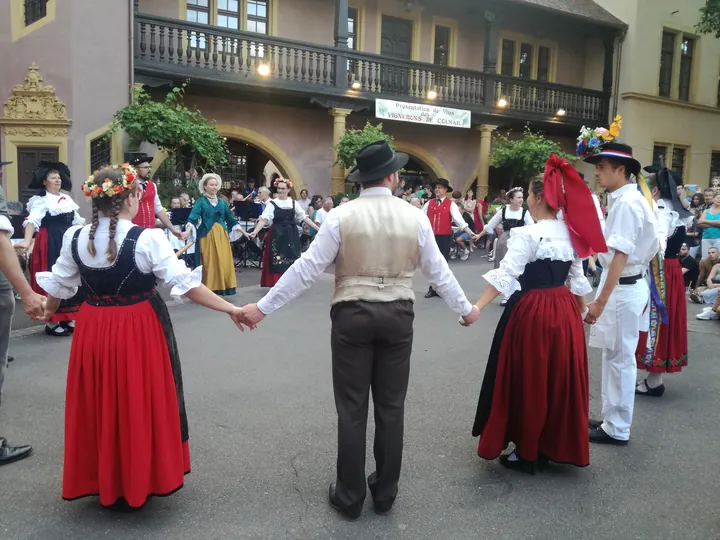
(467, 320)
(248, 315)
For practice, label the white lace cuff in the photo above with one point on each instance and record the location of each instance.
(49, 284)
(503, 282)
(579, 286)
(186, 282)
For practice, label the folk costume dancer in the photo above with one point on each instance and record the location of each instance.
(510, 216)
(150, 205)
(11, 276)
(535, 390)
(126, 432)
(623, 293)
(663, 344)
(216, 226)
(50, 214)
(282, 242)
(442, 213)
(376, 242)
(179, 217)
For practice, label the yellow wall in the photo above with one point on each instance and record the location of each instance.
(650, 119)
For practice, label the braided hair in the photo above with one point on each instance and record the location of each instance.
(110, 207)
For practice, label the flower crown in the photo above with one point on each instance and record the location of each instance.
(109, 187)
(281, 180)
(590, 141)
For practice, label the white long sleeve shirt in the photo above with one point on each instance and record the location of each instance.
(324, 250)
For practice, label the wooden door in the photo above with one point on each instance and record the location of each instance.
(28, 159)
(396, 42)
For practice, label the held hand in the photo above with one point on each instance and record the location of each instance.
(177, 234)
(252, 314)
(184, 235)
(240, 320)
(594, 309)
(470, 318)
(34, 305)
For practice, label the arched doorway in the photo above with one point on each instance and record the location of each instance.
(423, 166)
(248, 164)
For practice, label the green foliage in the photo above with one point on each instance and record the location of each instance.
(171, 182)
(710, 18)
(525, 157)
(355, 139)
(172, 127)
(339, 196)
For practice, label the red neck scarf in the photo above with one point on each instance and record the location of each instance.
(564, 189)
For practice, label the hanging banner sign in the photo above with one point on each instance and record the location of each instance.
(421, 113)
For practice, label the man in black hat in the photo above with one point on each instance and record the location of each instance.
(11, 275)
(150, 206)
(631, 234)
(442, 213)
(376, 242)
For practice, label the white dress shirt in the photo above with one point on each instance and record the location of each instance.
(321, 215)
(54, 204)
(324, 249)
(269, 212)
(509, 214)
(152, 254)
(457, 218)
(631, 228)
(546, 239)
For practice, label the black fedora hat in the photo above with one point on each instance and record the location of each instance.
(441, 182)
(667, 182)
(375, 161)
(618, 151)
(136, 158)
(43, 169)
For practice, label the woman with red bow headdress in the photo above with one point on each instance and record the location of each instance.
(535, 390)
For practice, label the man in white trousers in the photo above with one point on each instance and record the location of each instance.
(631, 234)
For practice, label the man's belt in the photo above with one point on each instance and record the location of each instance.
(379, 282)
(630, 280)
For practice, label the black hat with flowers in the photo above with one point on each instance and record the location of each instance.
(601, 143)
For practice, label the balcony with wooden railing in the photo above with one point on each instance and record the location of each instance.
(173, 48)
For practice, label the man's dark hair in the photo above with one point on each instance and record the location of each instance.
(616, 163)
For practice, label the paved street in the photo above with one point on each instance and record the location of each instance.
(262, 435)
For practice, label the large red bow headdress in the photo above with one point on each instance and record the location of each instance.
(564, 189)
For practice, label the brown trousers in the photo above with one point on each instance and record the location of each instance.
(371, 344)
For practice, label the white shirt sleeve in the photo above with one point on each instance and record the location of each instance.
(521, 248)
(435, 268)
(268, 213)
(153, 253)
(158, 204)
(64, 278)
(425, 207)
(494, 222)
(626, 225)
(303, 272)
(300, 213)
(457, 216)
(576, 280)
(78, 220)
(528, 218)
(6, 225)
(37, 210)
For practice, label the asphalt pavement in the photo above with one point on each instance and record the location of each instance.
(263, 436)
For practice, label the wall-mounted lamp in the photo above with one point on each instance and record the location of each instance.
(560, 112)
(432, 94)
(263, 70)
(356, 85)
(502, 103)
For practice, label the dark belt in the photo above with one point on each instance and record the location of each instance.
(630, 280)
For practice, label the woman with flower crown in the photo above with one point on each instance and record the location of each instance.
(126, 433)
(51, 214)
(216, 226)
(282, 243)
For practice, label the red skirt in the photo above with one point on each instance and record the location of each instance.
(267, 278)
(668, 344)
(123, 434)
(39, 263)
(536, 383)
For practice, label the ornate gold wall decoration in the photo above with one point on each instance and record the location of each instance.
(35, 104)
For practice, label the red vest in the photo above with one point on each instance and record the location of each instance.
(146, 211)
(440, 217)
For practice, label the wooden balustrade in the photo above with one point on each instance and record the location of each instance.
(181, 47)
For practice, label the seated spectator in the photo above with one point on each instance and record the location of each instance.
(416, 202)
(706, 266)
(689, 266)
(709, 294)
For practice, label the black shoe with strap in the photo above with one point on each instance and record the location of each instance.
(658, 391)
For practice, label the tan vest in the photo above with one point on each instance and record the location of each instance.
(378, 250)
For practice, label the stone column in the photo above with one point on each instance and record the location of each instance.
(483, 171)
(341, 43)
(338, 172)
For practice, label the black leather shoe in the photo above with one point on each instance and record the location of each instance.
(332, 501)
(594, 424)
(598, 436)
(383, 507)
(8, 454)
(431, 293)
(658, 391)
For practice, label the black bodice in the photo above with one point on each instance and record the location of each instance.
(674, 243)
(120, 284)
(283, 216)
(63, 221)
(544, 274)
(511, 223)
